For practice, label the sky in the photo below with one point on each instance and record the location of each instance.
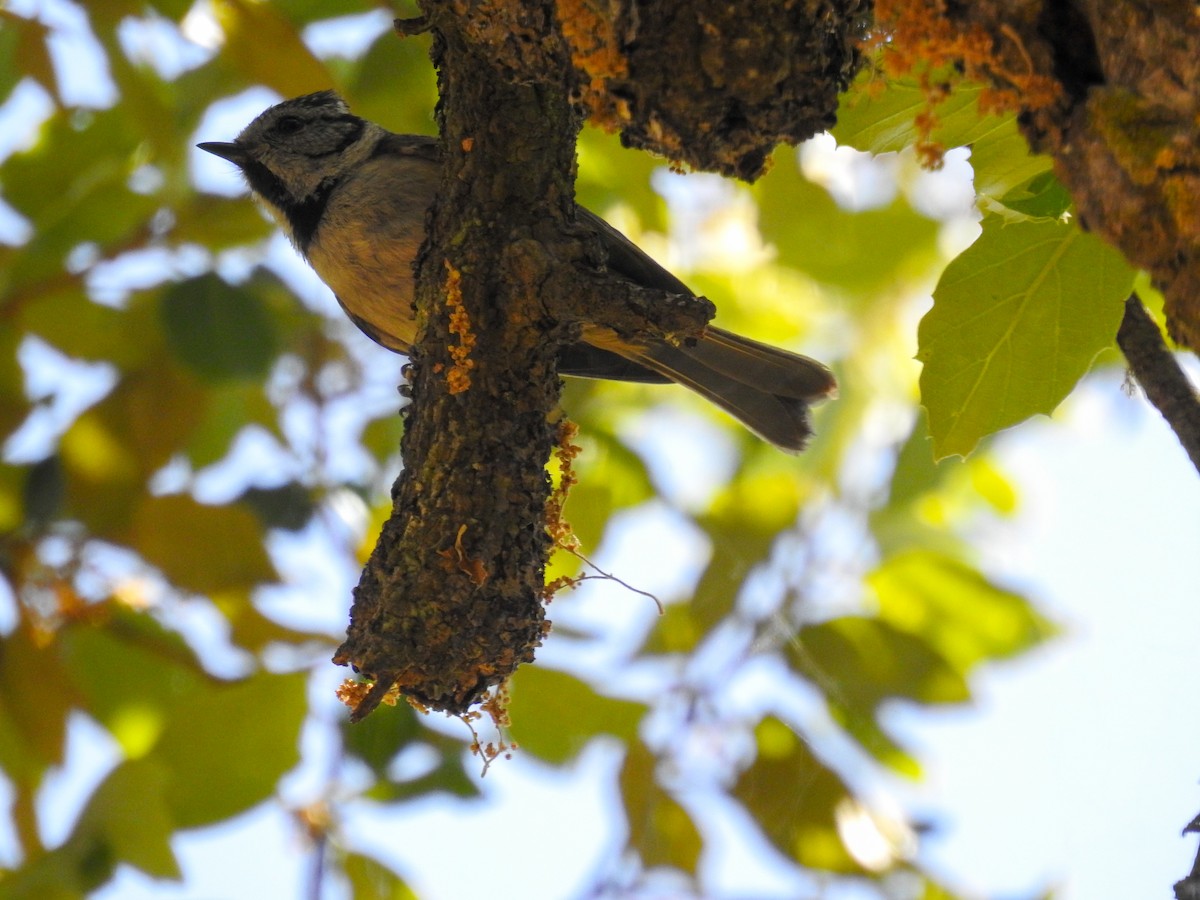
(1076, 768)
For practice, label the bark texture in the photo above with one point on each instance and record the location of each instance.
(1158, 372)
(451, 600)
(713, 84)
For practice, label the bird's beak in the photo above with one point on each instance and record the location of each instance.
(235, 153)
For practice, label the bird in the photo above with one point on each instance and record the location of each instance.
(352, 197)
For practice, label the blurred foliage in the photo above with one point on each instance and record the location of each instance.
(181, 406)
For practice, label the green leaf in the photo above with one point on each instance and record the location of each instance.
(201, 548)
(554, 715)
(1042, 197)
(127, 815)
(859, 662)
(794, 798)
(228, 408)
(69, 320)
(44, 491)
(227, 747)
(865, 661)
(372, 880)
(377, 739)
(859, 251)
(1016, 321)
(290, 68)
(289, 506)
(742, 526)
(35, 698)
(956, 609)
(885, 121)
(660, 830)
(220, 330)
(130, 674)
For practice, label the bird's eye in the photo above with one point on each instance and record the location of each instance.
(289, 125)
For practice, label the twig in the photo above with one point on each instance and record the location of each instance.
(1160, 376)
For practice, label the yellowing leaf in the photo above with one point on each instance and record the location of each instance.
(372, 880)
(35, 698)
(1017, 319)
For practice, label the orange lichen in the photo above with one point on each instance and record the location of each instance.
(458, 558)
(919, 40)
(587, 26)
(352, 693)
(565, 451)
(458, 376)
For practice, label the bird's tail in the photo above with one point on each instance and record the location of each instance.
(767, 389)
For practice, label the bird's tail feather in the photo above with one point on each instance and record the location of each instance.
(767, 389)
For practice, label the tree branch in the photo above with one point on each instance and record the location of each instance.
(450, 601)
(1159, 374)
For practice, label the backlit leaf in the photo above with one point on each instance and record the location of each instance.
(956, 609)
(853, 250)
(290, 68)
(881, 121)
(127, 814)
(793, 797)
(372, 880)
(1017, 319)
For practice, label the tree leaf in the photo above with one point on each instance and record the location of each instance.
(853, 250)
(372, 880)
(129, 673)
(35, 698)
(660, 830)
(868, 661)
(127, 815)
(859, 662)
(881, 121)
(793, 798)
(290, 68)
(228, 746)
(1016, 321)
(201, 548)
(555, 714)
(881, 117)
(220, 330)
(956, 609)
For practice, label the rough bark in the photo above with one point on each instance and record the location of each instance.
(713, 84)
(450, 602)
